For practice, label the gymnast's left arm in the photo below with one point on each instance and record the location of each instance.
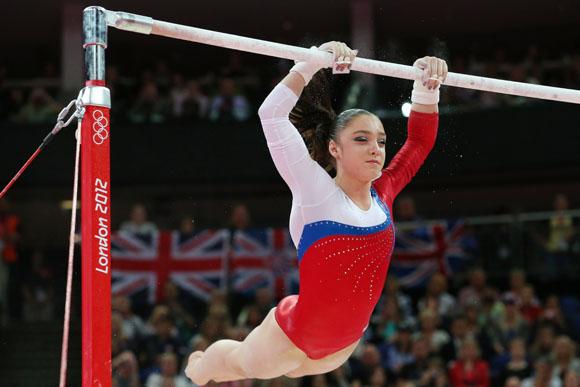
(421, 129)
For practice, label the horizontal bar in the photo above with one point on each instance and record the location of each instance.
(147, 25)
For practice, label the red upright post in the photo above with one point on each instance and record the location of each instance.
(96, 206)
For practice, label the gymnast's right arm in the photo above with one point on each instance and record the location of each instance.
(285, 143)
(309, 183)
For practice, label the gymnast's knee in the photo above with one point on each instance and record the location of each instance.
(297, 373)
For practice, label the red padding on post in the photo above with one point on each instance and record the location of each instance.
(96, 247)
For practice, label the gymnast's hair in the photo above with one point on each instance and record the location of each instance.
(317, 121)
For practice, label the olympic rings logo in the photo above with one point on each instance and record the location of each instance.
(100, 127)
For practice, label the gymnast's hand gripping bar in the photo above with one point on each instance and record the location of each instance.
(146, 25)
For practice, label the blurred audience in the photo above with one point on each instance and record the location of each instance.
(229, 106)
(167, 374)
(10, 264)
(138, 224)
(165, 91)
(38, 291)
(40, 108)
(437, 299)
(473, 293)
(469, 370)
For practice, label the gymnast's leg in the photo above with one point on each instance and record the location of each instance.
(324, 365)
(266, 353)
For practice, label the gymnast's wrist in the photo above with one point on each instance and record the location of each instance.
(306, 69)
(422, 95)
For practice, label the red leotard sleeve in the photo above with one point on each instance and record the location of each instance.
(421, 134)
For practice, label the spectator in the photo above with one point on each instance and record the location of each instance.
(543, 342)
(491, 308)
(560, 235)
(38, 291)
(150, 107)
(389, 321)
(218, 297)
(209, 331)
(369, 361)
(529, 305)
(213, 328)
(459, 333)
(178, 94)
(186, 228)
(253, 314)
(318, 380)
(229, 106)
(474, 291)
(518, 365)
(517, 285)
(513, 381)
(391, 291)
(163, 339)
(571, 379)
(398, 352)
(196, 103)
(162, 75)
(415, 371)
(240, 218)
(552, 314)
(564, 356)
(437, 297)
(436, 338)
(119, 342)
(184, 321)
(9, 264)
(509, 326)
(435, 375)
(190, 104)
(480, 327)
(406, 210)
(133, 326)
(138, 224)
(469, 370)
(168, 373)
(221, 313)
(158, 312)
(542, 376)
(125, 370)
(378, 378)
(339, 377)
(40, 108)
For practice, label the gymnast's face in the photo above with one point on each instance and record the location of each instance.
(359, 149)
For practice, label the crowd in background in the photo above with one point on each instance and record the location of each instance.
(474, 335)
(461, 331)
(232, 92)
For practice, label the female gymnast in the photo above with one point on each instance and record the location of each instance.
(342, 226)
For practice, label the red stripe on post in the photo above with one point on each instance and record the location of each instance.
(95, 82)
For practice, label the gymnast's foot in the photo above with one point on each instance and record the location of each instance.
(191, 371)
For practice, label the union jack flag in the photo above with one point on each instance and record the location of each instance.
(195, 262)
(423, 251)
(264, 258)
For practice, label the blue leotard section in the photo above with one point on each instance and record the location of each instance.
(315, 231)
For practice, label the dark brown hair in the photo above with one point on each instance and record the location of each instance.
(317, 121)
